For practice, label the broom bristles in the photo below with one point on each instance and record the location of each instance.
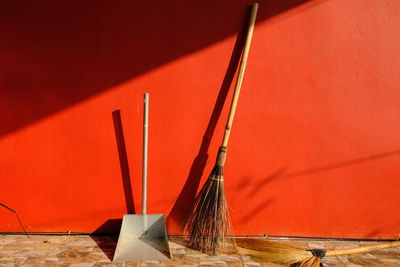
(270, 251)
(209, 222)
(275, 252)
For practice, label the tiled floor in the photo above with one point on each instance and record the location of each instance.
(75, 251)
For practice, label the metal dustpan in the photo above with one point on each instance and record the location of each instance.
(143, 236)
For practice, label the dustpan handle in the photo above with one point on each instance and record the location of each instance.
(145, 152)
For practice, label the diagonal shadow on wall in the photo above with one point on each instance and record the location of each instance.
(55, 54)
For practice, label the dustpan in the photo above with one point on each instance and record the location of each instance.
(143, 236)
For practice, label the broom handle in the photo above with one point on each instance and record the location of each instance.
(338, 252)
(239, 80)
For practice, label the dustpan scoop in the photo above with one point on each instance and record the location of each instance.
(143, 236)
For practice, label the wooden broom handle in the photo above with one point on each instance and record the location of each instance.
(338, 252)
(239, 80)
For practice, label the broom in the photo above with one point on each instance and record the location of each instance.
(275, 252)
(210, 223)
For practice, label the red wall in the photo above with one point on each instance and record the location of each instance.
(314, 149)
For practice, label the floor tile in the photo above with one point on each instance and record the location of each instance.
(81, 251)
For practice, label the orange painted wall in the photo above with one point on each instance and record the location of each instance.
(315, 147)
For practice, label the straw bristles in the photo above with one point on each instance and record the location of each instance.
(210, 222)
(275, 252)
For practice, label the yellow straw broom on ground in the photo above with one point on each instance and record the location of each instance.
(210, 223)
(275, 252)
